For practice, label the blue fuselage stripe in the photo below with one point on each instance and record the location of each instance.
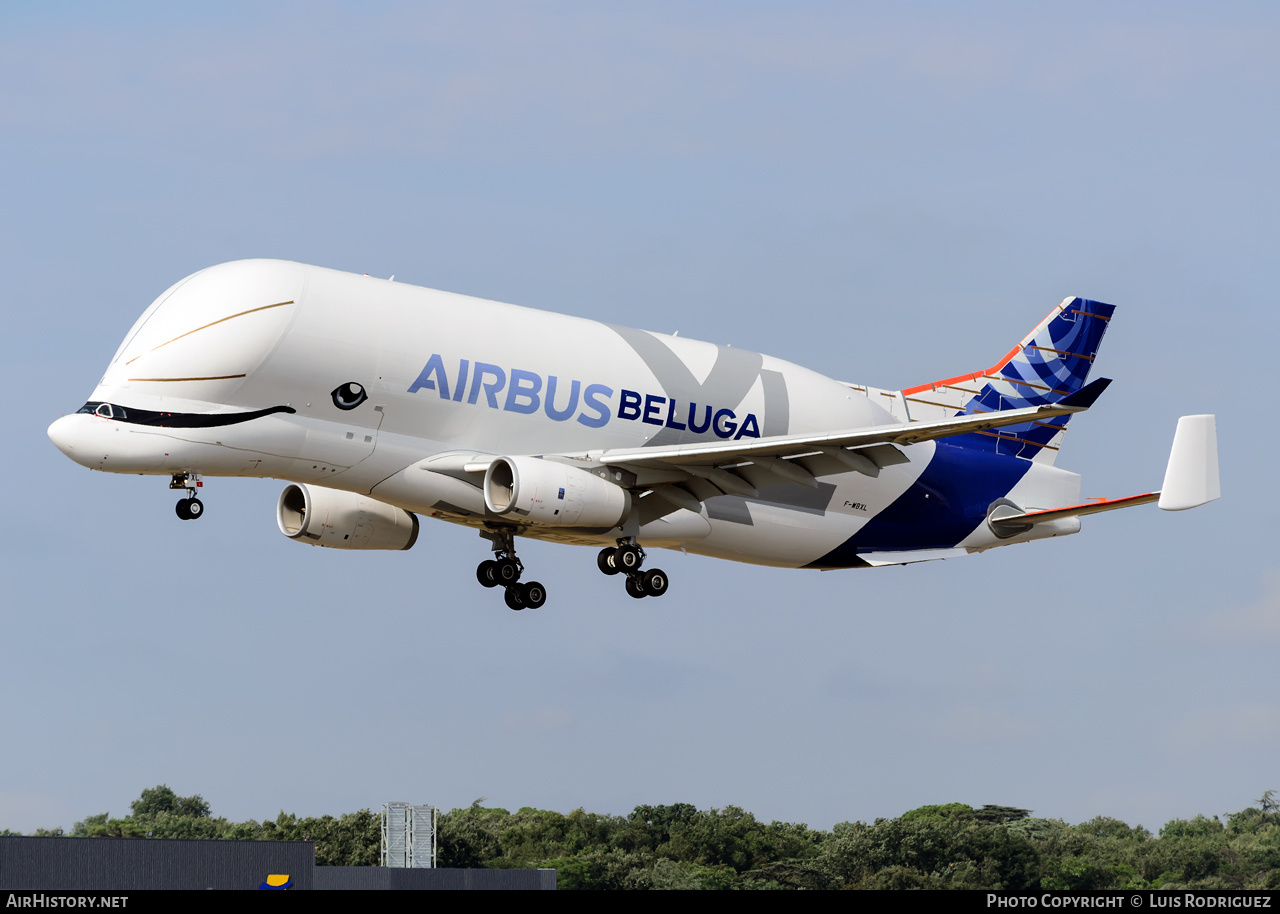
(941, 508)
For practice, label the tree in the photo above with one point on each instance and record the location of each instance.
(469, 837)
(1270, 808)
(82, 829)
(939, 811)
(1000, 814)
(161, 799)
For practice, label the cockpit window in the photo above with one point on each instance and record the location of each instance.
(104, 410)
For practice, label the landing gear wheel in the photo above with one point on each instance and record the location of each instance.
(635, 587)
(181, 509)
(533, 594)
(486, 573)
(506, 571)
(654, 582)
(628, 558)
(195, 508)
(605, 560)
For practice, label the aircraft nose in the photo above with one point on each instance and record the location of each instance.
(63, 435)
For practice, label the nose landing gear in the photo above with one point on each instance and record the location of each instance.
(189, 508)
(505, 570)
(626, 558)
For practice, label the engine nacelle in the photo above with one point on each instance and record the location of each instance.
(343, 520)
(553, 494)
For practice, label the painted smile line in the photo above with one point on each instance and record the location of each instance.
(151, 417)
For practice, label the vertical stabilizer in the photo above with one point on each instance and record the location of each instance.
(1051, 362)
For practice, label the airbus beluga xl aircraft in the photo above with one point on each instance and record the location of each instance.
(380, 401)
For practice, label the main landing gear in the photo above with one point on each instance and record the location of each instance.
(626, 558)
(504, 570)
(189, 508)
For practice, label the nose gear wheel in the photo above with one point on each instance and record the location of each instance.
(189, 508)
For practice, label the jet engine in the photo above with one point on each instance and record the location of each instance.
(343, 520)
(553, 494)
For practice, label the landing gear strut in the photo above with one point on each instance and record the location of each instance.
(626, 558)
(189, 508)
(505, 569)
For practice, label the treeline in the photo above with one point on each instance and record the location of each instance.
(682, 847)
(352, 839)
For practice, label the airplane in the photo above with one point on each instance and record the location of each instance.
(381, 401)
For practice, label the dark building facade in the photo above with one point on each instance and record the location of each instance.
(110, 864)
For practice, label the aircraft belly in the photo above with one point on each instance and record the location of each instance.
(676, 530)
(777, 536)
(792, 525)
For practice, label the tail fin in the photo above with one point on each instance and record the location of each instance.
(1050, 363)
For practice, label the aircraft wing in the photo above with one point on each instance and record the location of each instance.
(861, 449)
(897, 433)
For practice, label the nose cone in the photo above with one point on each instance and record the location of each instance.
(63, 435)
(108, 444)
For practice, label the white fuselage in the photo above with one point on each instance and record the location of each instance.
(448, 378)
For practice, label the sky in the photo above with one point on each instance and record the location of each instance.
(886, 193)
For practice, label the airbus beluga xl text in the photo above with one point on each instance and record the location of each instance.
(381, 401)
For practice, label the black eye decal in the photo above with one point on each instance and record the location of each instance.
(349, 395)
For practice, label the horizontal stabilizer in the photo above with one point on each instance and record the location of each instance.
(1007, 516)
(1191, 479)
(1087, 395)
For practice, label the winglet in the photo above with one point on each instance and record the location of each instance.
(1085, 396)
(1191, 479)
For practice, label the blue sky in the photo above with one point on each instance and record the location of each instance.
(886, 194)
